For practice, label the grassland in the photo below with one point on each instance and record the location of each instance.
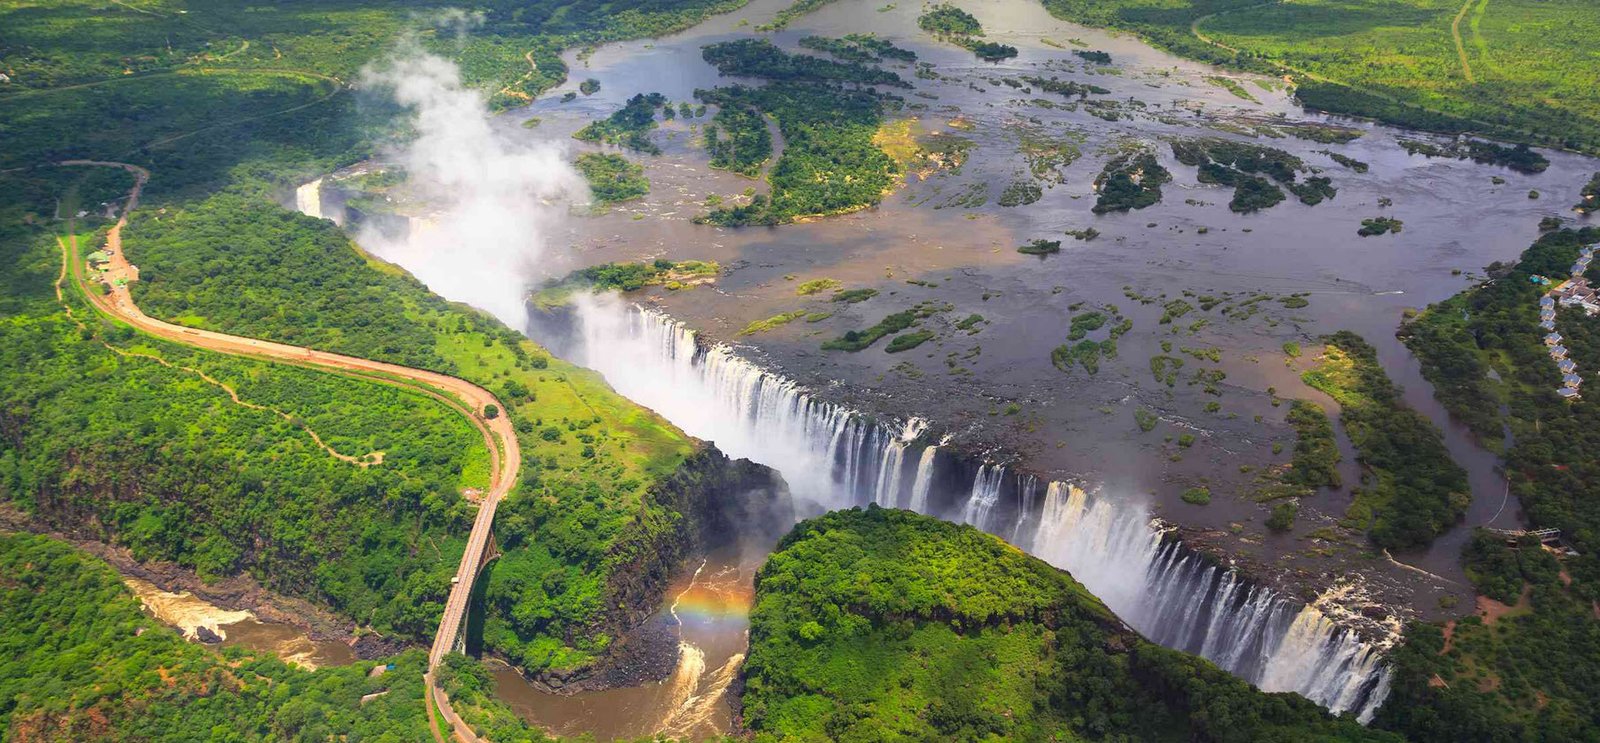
(1516, 69)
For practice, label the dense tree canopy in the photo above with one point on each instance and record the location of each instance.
(881, 624)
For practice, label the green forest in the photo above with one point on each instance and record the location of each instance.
(591, 457)
(1513, 69)
(827, 116)
(80, 661)
(118, 438)
(1411, 490)
(881, 624)
(1493, 671)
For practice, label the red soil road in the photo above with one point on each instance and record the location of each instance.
(504, 453)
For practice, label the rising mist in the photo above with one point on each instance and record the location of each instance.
(491, 201)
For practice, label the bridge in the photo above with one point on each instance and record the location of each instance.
(464, 397)
(1545, 536)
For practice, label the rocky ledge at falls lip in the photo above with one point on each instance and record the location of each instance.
(1375, 595)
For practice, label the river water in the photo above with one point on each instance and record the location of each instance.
(189, 613)
(709, 613)
(1459, 216)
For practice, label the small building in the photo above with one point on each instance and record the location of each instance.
(1572, 380)
(1549, 324)
(1553, 339)
(1547, 301)
(1558, 352)
(1567, 366)
(1568, 393)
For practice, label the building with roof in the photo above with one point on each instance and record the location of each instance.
(1572, 380)
(1553, 339)
(1568, 393)
(1566, 366)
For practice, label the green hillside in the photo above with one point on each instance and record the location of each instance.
(886, 625)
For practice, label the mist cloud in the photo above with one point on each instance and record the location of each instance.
(490, 199)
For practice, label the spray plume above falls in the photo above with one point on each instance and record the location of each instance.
(489, 198)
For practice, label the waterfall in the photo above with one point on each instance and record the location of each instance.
(308, 199)
(985, 493)
(924, 481)
(834, 457)
(887, 492)
(1027, 487)
(1180, 599)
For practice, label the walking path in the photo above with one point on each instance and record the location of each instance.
(470, 399)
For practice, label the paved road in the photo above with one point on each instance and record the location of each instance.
(468, 398)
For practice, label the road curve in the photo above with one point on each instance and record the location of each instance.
(470, 399)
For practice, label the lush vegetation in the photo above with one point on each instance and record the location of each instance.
(948, 21)
(738, 140)
(1131, 180)
(1527, 675)
(1040, 247)
(763, 59)
(1411, 491)
(1589, 197)
(629, 126)
(859, 340)
(1316, 453)
(787, 15)
(887, 625)
(120, 438)
(1499, 681)
(612, 178)
(959, 27)
(859, 48)
(1519, 158)
(1230, 163)
(829, 165)
(625, 277)
(591, 458)
(81, 661)
(1375, 226)
(1512, 69)
(215, 462)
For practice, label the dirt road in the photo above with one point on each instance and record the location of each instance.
(468, 398)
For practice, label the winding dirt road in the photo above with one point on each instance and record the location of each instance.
(469, 399)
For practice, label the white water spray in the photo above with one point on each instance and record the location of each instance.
(308, 199)
(489, 198)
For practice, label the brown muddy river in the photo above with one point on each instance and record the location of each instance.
(188, 613)
(709, 612)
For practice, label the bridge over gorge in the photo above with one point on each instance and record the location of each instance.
(465, 397)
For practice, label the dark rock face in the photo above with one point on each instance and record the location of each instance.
(205, 635)
(711, 502)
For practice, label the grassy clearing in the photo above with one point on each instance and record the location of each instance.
(1532, 73)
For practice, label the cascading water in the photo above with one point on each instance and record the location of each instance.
(308, 199)
(834, 458)
(924, 482)
(887, 492)
(985, 493)
(1180, 599)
